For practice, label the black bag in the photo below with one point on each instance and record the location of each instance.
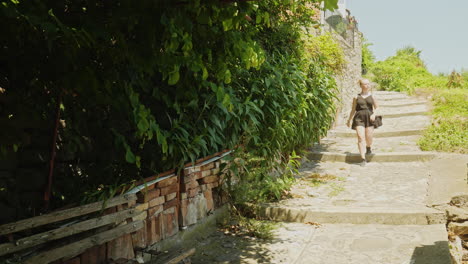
(377, 121)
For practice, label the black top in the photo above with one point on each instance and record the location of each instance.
(364, 109)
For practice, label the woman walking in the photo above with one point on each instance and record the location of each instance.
(363, 114)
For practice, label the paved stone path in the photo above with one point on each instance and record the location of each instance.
(382, 213)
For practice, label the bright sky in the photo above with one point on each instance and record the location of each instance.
(438, 28)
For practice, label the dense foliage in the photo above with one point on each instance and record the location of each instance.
(145, 87)
(404, 72)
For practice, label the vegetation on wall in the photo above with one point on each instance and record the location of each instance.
(368, 57)
(148, 86)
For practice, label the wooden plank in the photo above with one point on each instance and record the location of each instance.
(78, 247)
(94, 255)
(64, 214)
(121, 247)
(174, 257)
(58, 233)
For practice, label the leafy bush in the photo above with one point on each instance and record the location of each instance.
(148, 86)
(403, 72)
(368, 57)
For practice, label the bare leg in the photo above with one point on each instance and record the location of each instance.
(360, 131)
(369, 136)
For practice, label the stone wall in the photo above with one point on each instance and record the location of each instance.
(347, 82)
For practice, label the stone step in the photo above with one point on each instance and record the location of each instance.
(394, 124)
(394, 98)
(355, 244)
(394, 115)
(351, 215)
(402, 109)
(377, 133)
(403, 104)
(379, 157)
(380, 145)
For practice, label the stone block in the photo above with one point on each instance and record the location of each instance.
(189, 185)
(190, 170)
(209, 200)
(201, 206)
(142, 207)
(193, 192)
(198, 175)
(192, 177)
(153, 230)
(171, 196)
(206, 173)
(209, 179)
(457, 214)
(145, 196)
(169, 189)
(194, 210)
(458, 228)
(203, 187)
(183, 195)
(167, 182)
(154, 211)
(170, 223)
(157, 201)
(171, 203)
(208, 166)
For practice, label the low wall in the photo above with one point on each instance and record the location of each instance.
(172, 202)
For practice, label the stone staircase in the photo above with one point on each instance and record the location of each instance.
(385, 202)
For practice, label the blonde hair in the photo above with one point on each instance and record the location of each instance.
(361, 80)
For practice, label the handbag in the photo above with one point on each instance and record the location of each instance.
(377, 121)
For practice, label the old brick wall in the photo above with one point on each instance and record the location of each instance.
(170, 205)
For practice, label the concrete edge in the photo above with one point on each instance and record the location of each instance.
(388, 216)
(380, 157)
(377, 134)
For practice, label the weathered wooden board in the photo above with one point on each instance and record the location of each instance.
(58, 233)
(64, 214)
(95, 254)
(78, 247)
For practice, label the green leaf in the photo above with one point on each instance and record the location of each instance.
(173, 77)
(143, 125)
(227, 24)
(227, 77)
(205, 73)
(129, 156)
